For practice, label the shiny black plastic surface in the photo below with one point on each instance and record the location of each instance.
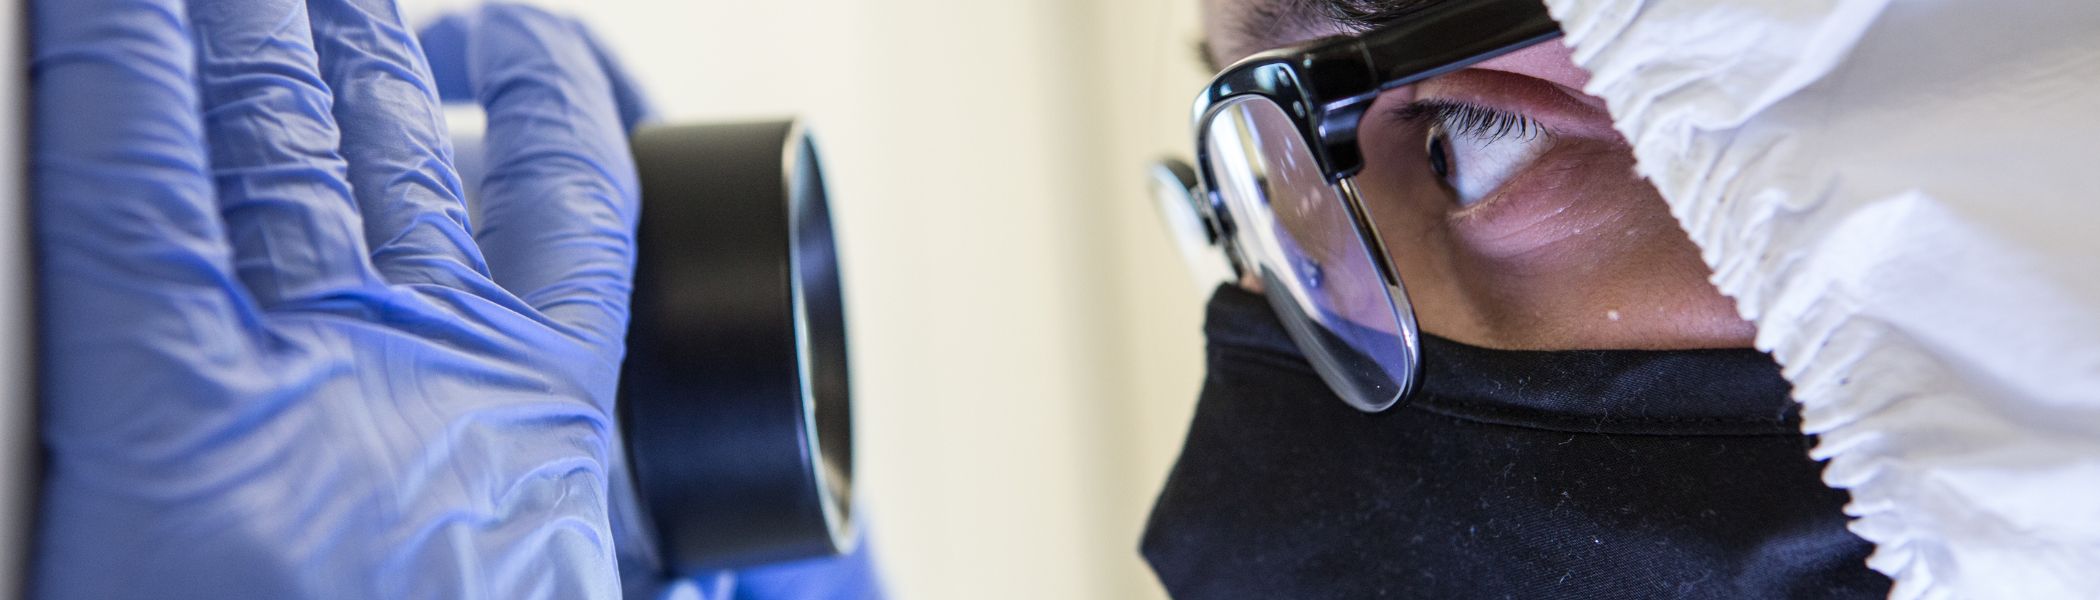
(735, 397)
(1327, 84)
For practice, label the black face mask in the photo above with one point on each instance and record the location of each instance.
(1634, 474)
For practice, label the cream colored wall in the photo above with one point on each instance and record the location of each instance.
(1026, 344)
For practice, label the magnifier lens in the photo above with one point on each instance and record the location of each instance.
(735, 397)
(820, 327)
(1315, 264)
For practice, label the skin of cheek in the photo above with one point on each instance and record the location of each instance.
(1576, 252)
(1612, 269)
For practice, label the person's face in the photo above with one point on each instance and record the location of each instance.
(1509, 204)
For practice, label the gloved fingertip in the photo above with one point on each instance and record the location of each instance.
(627, 92)
(445, 46)
(513, 12)
(523, 25)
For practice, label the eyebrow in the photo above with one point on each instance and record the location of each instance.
(1267, 19)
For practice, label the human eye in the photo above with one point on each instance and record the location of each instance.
(1474, 149)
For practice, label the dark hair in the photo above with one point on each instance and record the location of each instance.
(1361, 14)
(1266, 19)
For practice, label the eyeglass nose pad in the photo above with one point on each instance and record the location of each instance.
(1178, 198)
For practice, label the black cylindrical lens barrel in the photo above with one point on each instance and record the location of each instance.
(735, 397)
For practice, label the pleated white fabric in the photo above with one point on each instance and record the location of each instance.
(1901, 194)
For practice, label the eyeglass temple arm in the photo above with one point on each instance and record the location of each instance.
(1448, 36)
(1343, 79)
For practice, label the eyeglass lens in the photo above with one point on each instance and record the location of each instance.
(1298, 231)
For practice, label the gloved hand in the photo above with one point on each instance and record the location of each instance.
(457, 47)
(278, 360)
(447, 42)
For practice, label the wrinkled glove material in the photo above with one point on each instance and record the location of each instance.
(450, 42)
(1899, 193)
(279, 359)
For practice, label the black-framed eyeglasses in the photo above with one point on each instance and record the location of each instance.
(1274, 187)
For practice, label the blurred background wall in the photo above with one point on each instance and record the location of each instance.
(1027, 344)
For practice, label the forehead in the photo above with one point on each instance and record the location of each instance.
(1234, 29)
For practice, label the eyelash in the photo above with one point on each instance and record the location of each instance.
(1470, 120)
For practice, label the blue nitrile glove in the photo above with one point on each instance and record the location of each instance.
(448, 42)
(849, 577)
(277, 361)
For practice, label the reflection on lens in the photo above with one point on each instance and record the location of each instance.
(1319, 271)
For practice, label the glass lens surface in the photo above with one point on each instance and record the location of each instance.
(1317, 269)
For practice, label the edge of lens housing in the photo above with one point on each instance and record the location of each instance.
(736, 396)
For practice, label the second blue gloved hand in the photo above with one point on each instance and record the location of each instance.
(278, 360)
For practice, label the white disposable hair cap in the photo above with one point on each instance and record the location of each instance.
(1902, 195)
